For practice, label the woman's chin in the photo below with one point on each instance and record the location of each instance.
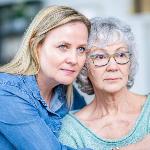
(66, 82)
(113, 89)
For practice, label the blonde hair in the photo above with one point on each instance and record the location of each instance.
(26, 60)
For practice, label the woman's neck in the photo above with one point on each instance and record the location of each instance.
(108, 103)
(46, 87)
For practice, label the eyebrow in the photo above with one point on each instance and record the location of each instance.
(98, 49)
(105, 50)
(64, 42)
(84, 45)
(120, 48)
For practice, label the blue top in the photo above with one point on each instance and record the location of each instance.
(77, 135)
(26, 121)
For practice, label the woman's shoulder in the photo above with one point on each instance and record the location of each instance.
(73, 123)
(148, 96)
(11, 84)
(6, 78)
(14, 80)
(144, 99)
(71, 127)
(70, 120)
(15, 101)
(70, 131)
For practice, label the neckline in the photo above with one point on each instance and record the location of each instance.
(125, 137)
(59, 97)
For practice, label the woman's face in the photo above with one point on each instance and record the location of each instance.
(109, 76)
(63, 53)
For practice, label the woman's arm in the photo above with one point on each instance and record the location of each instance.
(22, 126)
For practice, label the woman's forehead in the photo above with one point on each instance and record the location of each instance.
(115, 45)
(103, 39)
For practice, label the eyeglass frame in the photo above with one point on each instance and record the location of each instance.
(111, 56)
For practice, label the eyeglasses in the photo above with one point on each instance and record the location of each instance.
(102, 59)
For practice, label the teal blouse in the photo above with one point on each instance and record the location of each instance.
(75, 134)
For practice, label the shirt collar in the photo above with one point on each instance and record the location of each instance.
(58, 99)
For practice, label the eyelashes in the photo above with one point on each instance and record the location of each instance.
(66, 47)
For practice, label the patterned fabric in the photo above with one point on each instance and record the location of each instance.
(77, 135)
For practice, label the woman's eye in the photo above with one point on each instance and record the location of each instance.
(62, 46)
(81, 49)
(121, 55)
(100, 56)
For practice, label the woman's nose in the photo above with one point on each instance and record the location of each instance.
(72, 57)
(112, 65)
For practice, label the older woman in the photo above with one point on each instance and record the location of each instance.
(35, 85)
(116, 117)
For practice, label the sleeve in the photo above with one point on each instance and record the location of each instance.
(78, 100)
(21, 124)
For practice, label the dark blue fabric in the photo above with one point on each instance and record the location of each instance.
(79, 101)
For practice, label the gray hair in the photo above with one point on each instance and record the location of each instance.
(105, 31)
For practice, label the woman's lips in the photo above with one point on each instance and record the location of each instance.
(68, 71)
(112, 79)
